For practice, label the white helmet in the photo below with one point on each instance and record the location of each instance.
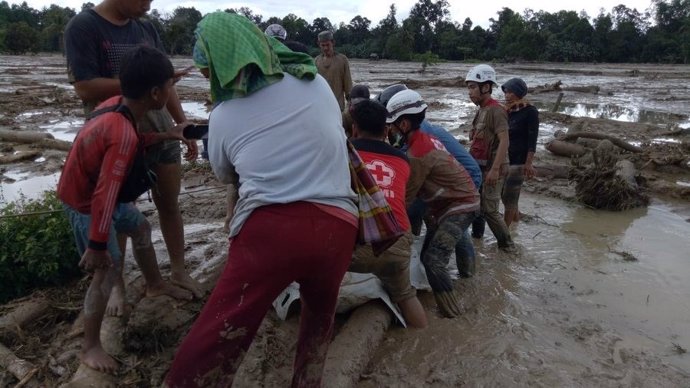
(277, 31)
(482, 73)
(405, 102)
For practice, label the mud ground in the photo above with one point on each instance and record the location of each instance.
(570, 310)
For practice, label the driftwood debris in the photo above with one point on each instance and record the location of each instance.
(23, 136)
(609, 182)
(19, 157)
(564, 148)
(12, 322)
(572, 136)
(558, 87)
(55, 144)
(23, 370)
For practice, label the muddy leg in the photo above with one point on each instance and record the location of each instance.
(435, 259)
(490, 202)
(92, 354)
(116, 302)
(165, 197)
(145, 256)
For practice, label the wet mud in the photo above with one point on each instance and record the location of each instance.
(594, 298)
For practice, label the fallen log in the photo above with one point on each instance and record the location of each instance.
(351, 350)
(19, 157)
(23, 136)
(564, 148)
(553, 171)
(570, 136)
(12, 322)
(21, 369)
(55, 144)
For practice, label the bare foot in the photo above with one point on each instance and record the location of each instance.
(187, 282)
(96, 358)
(116, 302)
(169, 290)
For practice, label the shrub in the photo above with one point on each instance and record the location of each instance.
(37, 249)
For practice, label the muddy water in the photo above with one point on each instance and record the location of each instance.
(568, 311)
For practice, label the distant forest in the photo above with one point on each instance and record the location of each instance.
(660, 35)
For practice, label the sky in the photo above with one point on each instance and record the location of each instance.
(375, 10)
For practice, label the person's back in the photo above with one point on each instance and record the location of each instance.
(456, 149)
(276, 137)
(443, 184)
(440, 180)
(288, 129)
(391, 170)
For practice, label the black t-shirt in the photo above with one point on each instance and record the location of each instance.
(94, 46)
(524, 130)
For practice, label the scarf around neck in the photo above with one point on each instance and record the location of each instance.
(517, 105)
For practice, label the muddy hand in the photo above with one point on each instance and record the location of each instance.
(192, 150)
(181, 73)
(92, 260)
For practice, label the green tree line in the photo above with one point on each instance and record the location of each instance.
(658, 35)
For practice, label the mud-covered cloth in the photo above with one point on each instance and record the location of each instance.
(441, 240)
(94, 48)
(336, 71)
(511, 188)
(438, 179)
(489, 121)
(392, 267)
(456, 149)
(307, 246)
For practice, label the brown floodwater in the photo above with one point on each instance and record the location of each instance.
(570, 310)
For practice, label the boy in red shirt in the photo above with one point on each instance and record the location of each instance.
(101, 177)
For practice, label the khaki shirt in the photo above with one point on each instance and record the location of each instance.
(488, 123)
(336, 71)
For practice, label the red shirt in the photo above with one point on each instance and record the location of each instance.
(101, 155)
(391, 169)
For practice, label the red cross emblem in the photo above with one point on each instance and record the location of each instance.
(382, 172)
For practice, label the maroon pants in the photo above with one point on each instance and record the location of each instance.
(278, 244)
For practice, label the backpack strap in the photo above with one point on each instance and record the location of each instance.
(119, 108)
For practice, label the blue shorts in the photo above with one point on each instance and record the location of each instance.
(126, 218)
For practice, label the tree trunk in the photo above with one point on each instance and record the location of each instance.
(600, 136)
(23, 136)
(21, 369)
(28, 311)
(19, 157)
(563, 148)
